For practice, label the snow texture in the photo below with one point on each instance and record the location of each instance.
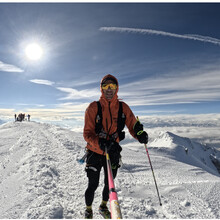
(41, 178)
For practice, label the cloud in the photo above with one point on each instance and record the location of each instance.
(73, 94)
(194, 86)
(42, 82)
(9, 68)
(162, 33)
(7, 112)
(54, 112)
(65, 111)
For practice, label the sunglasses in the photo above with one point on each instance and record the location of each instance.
(111, 86)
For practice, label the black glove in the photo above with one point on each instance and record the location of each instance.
(142, 136)
(103, 143)
(138, 127)
(115, 147)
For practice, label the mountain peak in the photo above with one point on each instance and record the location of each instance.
(185, 150)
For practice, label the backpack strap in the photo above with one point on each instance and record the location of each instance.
(121, 118)
(98, 119)
(121, 122)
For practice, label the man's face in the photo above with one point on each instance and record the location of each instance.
(109, 93)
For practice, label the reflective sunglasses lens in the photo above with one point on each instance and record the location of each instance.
(111, 85)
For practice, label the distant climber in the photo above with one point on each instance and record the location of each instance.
(21, 117)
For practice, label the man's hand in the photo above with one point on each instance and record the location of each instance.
(103, 143)
(112, 146)
(142, 135)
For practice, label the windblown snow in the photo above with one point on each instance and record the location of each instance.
(41, 178)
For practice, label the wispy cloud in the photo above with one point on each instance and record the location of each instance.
(73, 94)
(162, 33)
(42, 82)
(187, 87)
(9, 68)
(65, 111)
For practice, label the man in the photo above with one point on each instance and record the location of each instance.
(107, 136)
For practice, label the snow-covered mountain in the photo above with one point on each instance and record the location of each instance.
(41, 178)
(188, 151)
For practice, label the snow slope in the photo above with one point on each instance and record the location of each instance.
(2, 122)
(40, 177)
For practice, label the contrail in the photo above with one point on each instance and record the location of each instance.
(163, 33)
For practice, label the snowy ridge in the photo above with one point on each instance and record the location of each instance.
(40, 177)
(187, 151)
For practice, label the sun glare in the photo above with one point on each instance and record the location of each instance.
(33, 51)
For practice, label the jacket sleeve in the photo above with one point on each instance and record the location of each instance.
(130, 119)
(89, 128)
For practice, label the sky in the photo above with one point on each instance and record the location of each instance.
(166, 57)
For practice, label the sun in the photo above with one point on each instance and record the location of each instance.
(33, 51)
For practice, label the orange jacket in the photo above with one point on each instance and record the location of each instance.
(109, 119)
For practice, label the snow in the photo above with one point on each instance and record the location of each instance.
(2, 122)
(41, 178)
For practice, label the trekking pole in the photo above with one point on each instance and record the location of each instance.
(153, 175)
(114, 204)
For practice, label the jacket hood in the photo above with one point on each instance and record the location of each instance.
(104, 79)
(109, 77)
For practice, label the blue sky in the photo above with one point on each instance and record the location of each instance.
(165, 56)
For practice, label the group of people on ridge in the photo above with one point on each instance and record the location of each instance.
(21, 117)
(103, 130)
